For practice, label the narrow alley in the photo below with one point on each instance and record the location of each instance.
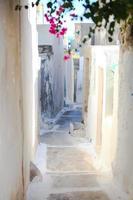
(71, 171)
(66, 99)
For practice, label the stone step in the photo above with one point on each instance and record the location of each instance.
(60, 138)
(85, 195)
(69, 160)
(77, 180)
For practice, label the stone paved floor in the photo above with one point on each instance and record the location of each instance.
(68, 167)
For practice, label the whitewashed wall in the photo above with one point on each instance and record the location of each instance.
(69, 81)
(11, 131)
(18, 98)
(117, 128)
(30, 68)
(123, 122)
(46, 86)
(101, 57)
(79, 92)
(56, 65)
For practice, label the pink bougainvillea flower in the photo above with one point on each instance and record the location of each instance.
(58, 35)
(46, 16)
(53, 25)
(61, 9)
(56, 23)
(57, 12)
(51, 21)
(64, 29)
(66, 57)
(53, 31)
(73, 15)
(61, 33)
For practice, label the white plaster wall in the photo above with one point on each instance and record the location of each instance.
(112, 57)
(101, 37)
(11, 132)
(97, 59)
(100, 57)
(117, 129)
(46, 95)
(123, 162)
(79, 93)
(44, 36)
(86, 82)
(58, 66)
(59, 70)
(30, 70)
(69, 79)
(18, 98)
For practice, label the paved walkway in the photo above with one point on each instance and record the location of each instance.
(69, 167)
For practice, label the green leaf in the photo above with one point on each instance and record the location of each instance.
(67, 5)
(87, 15)
(49, 4)
(110, 39)
(84, 40)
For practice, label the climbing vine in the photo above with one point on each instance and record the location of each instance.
(103, 13)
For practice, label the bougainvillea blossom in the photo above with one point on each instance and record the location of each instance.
(67, 57)
(73, 15)
(56, 24)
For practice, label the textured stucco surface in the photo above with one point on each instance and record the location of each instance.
(47, 98)
(100, 58)
(10, 104)
(117, 126)
(29, 78)
(123, 162)
(56, 68)
(18, 98)
(69, 81)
